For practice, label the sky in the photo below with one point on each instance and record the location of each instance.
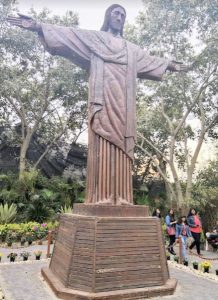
(91, 12)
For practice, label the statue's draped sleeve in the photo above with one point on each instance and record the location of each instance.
(150, 67)
(62, 41)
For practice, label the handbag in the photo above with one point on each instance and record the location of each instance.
(171, 231)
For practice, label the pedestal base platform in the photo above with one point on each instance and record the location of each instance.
(117, 256)
(130, 294)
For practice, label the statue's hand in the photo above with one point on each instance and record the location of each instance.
(175, 66)
(25, 22)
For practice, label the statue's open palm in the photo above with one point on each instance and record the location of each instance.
(24, 21)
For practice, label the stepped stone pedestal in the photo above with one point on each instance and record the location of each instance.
(109, 253)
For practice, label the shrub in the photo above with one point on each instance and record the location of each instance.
(25, 254)
(28, 231)
(66, 209)
(37, 197)
(205, 264)
(176, 258)
(12, 255)
(3, 232)
(38, 253)
(7, 213)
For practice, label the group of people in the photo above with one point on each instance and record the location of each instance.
(183, 228)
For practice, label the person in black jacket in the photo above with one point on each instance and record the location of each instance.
(171, 230)
(195, 226)
(156, 213)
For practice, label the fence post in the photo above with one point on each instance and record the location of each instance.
(49, 243)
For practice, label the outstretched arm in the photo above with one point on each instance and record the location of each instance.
(25, 22)
(152, 67)
(57, 40)
(175, 66)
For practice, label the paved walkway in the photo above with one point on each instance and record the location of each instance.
(192, 287)
(22, 281)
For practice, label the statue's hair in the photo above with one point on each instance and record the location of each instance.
(107, 17)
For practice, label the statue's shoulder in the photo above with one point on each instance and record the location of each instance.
(93, 33)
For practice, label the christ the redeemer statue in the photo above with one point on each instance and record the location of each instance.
(113, 65)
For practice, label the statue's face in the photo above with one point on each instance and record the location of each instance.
(117, 19)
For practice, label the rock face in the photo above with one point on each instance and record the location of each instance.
(67, 161)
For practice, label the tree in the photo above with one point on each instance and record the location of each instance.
(182, 109)
(205, 195)
(46, 95)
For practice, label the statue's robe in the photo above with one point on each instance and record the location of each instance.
(113, 64)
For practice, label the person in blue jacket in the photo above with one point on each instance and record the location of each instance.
(171, 224)
(183, 231)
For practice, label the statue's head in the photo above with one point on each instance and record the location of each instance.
(114, 19)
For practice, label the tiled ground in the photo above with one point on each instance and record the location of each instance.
(22, 280)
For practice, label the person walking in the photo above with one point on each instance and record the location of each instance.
(171, 231)
(183, 232)
(156, 213)
(194, 223)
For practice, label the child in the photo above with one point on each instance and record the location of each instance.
(183, 231)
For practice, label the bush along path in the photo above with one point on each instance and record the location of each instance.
(206, 257)
(29, 251)
(24, 233)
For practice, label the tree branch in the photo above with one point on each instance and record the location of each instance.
(166, 117)
(212, 122)
(159, 170)
(151, 145)
(152, 158)
(205, 84)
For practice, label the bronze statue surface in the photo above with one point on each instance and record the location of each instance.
(107, 251)
(113, 65)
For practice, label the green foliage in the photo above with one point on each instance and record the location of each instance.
(12, 255)
(46, 94)
(28, 231)
(38, 210)
(185, 31)
(142, 199)
(7, 213)
(176, 259)
(38, 198)
(205, 195)
(25, 254)
(66, 209)
(38, 253)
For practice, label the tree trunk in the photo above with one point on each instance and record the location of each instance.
(178, 188)
(188, 191)
(23, 152)
(180, 197)
(170, 193)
